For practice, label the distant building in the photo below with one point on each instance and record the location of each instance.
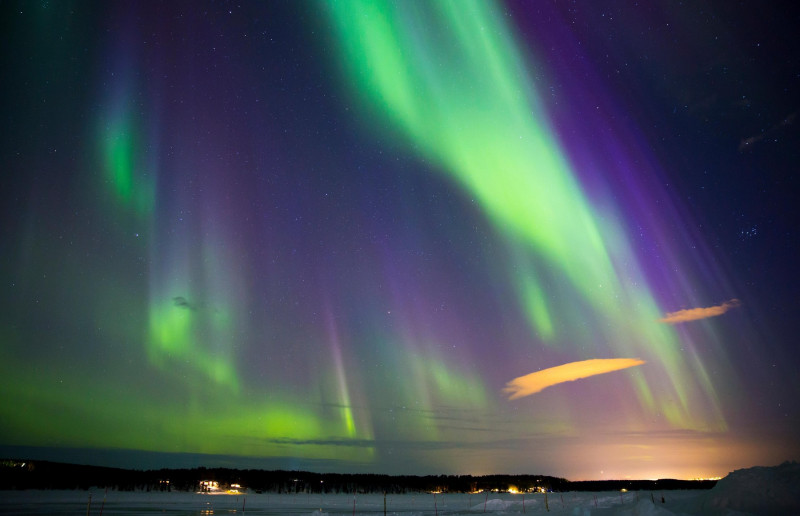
(209, 486)
(213, 487)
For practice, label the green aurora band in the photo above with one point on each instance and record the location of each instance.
(448, 78)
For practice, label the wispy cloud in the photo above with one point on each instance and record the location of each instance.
(693, 314)
(540, 380)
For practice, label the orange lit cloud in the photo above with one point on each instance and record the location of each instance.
(540, 380)
(693, 314)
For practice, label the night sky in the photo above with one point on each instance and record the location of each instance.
(401, 237)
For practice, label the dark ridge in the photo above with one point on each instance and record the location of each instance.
(667, 484)
(37, 474)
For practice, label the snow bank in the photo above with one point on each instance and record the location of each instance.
(493, 505)
(643, 508)
(758, 490)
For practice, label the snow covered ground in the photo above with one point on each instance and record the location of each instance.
(750, 491)
(116, 503)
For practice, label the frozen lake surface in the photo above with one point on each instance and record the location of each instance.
(129, 503)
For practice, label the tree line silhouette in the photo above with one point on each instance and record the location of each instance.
(22, 474)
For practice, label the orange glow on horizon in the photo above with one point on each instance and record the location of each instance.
(675, 454)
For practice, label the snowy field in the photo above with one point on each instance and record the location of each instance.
(127, 503)
(750, 491)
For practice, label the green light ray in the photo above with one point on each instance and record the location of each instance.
(124, 162)
(341, 383)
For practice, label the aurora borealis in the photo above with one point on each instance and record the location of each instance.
(331, 235)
